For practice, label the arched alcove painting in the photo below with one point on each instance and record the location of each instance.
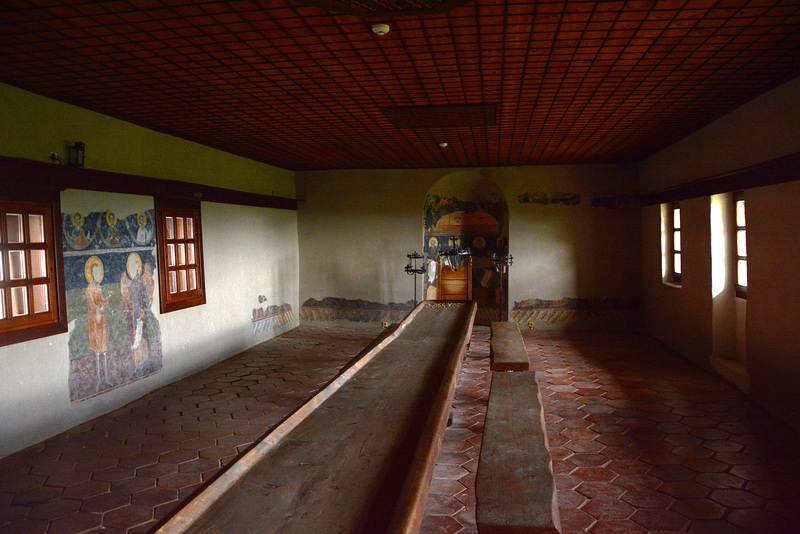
(465, 224)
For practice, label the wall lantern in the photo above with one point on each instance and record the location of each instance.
(76, 155)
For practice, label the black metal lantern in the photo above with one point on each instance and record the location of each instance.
(413, 269)
(76, 155)
(501, 264)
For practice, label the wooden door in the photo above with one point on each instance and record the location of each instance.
(455, 284)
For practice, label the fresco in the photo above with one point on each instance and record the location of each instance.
(464, 218)
(579, 314)
(539, 197)
(267, 318)
(333, 309)
(109, 267)
(573, 199)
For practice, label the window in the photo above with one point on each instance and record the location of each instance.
(741, 246)
(180, 254)
(675, 219)
(32, 303)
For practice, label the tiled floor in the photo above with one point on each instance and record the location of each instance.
(641, 441)
(644, 442)
(125, 471)
(451, 501)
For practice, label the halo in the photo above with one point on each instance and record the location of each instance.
(77, 219)
(134, 266)
(141, 219)
(91, 262)
(433, 242)
(111, 219)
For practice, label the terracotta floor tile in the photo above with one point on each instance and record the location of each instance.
(698, 509)
(629, 425)
(608, 508)
(714, 527)
(33, 526)
(596, 490)
(54, 509)
(127, 516)
(37, 496)
(573, 520)
(647, 499)
(75, 523)
(570, 499)
(736, 498)
(432, 524)
(660, 520)
(105, 502)
(617, 527)
(685, 489)
(720, 481)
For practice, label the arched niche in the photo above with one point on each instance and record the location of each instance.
(467, 211)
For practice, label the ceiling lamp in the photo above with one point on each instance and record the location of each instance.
(380, 29)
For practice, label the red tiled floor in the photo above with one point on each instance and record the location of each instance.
(641, 441)
(682, 446)
(454, 475)
(125, 471)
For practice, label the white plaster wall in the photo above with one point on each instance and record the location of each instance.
(356, 227)
(763, 129)
(680, 316)
(773, 298)
(248, 252)
(572, 251)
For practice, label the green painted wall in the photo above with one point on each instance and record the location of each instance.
(35, 126)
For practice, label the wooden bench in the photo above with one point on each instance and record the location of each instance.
(515, 488)
(507, 348)
(358, 457)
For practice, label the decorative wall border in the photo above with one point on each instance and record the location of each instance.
(579, 314)
(362, 311)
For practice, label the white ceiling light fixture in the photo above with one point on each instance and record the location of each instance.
(443, 144)
(380, 29)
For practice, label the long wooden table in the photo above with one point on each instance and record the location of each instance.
(358, 457)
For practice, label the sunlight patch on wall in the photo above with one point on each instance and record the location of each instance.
(664, 208)
(718, 246)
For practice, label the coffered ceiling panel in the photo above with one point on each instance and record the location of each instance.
(301, 87)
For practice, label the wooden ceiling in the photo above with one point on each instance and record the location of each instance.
(303, 88)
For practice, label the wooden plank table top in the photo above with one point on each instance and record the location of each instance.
(507, 348)
(344, 466)
(515, 488)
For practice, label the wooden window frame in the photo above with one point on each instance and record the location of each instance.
(741, 291)
(674, 276)
(32, 325)
(179, 208)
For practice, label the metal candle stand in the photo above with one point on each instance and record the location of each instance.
(414, 256)
(501, 265)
